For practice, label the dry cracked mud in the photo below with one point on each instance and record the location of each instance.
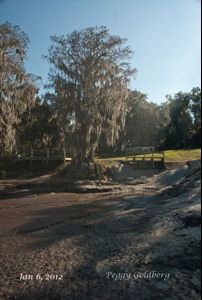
(124, 244)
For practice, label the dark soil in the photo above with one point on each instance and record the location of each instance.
(114, 245)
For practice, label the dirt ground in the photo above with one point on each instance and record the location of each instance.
(128, 242)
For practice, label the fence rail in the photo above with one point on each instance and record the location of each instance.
(47, 154)
(147, 161)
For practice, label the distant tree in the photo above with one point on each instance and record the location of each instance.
(38, 127)
(17, 89)
(136, 120)
(195, 106)
(179, 130)
(90, 74)
(145, 122)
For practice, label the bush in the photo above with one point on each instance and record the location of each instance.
(6, 162)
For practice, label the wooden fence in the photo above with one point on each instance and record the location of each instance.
(129, 153)
(147, 161)
(48, 154)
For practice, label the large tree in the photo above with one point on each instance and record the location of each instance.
(17, 89)
(90, 74)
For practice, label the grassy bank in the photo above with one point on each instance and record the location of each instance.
(170, 155)
(182, 155)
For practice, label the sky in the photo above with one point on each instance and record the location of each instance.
(165, 36)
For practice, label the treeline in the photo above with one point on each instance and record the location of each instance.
(175, 124)
(92, 108)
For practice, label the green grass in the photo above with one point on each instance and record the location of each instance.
(182, 155)
(170, 156)
(110, 156)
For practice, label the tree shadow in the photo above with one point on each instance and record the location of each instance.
(90, 240)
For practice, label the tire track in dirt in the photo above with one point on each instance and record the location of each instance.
(130, 205)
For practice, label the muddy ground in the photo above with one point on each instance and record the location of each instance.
(70, 241)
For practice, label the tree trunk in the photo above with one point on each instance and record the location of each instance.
(76, 168)
(80, 164)
(91, 155)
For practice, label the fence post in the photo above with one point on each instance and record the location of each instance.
(64, 155)
(152, 160)
(134, 163)
(31, 150)
(144, 161)
(47, 155)
(16, 153)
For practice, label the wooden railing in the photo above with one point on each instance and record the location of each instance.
(147, 161)
(47, 154)
(127, 154)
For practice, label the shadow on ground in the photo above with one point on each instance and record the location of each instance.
(91, 245)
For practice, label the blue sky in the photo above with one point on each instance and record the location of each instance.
(165, 36)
